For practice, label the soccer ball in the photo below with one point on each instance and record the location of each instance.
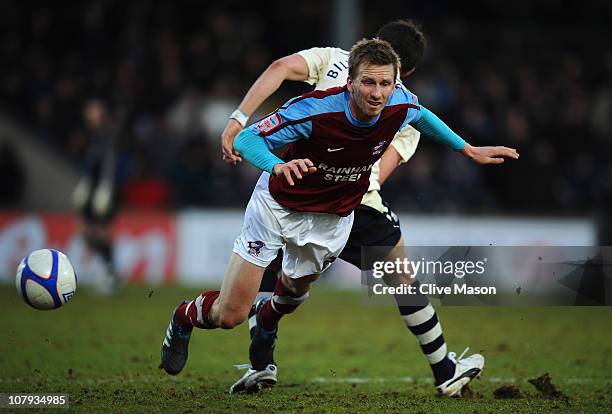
(46, 279)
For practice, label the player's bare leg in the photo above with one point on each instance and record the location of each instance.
(397, 279)
(240, 286)
(213, 309)
(451, 373)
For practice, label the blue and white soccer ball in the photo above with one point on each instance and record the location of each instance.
(46, 279)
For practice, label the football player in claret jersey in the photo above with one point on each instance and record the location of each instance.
(305, 205)
(374, 223)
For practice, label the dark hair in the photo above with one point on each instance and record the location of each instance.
(374, 52)
(407, 39)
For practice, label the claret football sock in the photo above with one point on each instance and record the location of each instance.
(423, 322)
(282, 303)
(195, 313)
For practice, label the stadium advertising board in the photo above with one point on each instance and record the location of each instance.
(193, 247)
(145, 244)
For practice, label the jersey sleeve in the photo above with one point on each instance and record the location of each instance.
(432, 126)
(401, 96)
(254, 150)
(405, 142)
(289, 123)
(317, 60)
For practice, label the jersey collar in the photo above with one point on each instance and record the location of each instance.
(351, 118)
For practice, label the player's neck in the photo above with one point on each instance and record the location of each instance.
(359, 115)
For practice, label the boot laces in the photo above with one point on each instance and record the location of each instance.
(453, 356)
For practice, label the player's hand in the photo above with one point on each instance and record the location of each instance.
(232, 129)
(489, 155)
(295, 168)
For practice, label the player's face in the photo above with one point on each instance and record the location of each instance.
(370, 91)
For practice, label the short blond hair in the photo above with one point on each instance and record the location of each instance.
(373, 52)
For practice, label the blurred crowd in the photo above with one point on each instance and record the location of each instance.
(170, 73)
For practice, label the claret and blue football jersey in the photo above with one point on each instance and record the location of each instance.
(319, 126)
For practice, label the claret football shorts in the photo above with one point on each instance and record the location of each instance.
(310, 241)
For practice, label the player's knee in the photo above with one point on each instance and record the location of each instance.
(229, 321)
(299, 286)
(231, 318)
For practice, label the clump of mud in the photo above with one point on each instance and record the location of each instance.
(544, 385)
(466, 392)
(507, 392)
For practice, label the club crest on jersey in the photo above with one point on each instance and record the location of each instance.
(379, 147)
(255, 247)
(269, 123)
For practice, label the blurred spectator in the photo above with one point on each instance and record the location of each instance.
(96, 193)
(512, 75)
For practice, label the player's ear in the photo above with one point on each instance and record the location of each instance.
(349, 84)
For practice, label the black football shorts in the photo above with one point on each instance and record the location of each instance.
(371, 228)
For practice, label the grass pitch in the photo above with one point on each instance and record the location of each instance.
(334, 355)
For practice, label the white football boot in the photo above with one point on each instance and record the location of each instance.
(254, 380)
(466, 369)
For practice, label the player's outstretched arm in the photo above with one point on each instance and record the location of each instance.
(292, 67)
(429, 124)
